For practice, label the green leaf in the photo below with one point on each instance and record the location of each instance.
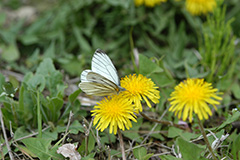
(51, 135)
(72, 66)
(20, 132)
(54, 105)
(52, 76)
(4, 151)
(50, 52)
(189, 150)
(236, 90)
(37, 82)
(141, 153)
(72, 97)
(107, 138)
(91, 143)
(175, 132)
(231, 118)
(74, 128)
(82, 42)
(133, 132)
(10, 53)
(40, 147)
(161, 79)
(2, 18)
(147, 67)
(169, 157)
(46, 67)
(235, 147)
(2, 81)
(29, 39)
(8, 88)
(227, 99)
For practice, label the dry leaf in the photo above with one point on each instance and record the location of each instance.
(68, 150)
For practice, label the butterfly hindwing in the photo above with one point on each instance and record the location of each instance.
(84, 75)
(96, 89)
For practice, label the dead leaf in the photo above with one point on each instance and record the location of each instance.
(69, 150)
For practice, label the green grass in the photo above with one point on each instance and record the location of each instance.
(41, 61)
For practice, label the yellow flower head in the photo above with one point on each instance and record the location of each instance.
(193, 95)
(115, 111)
(148, 3)
(198, 7)
(138, 87)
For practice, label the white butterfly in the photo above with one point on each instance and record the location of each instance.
(103, 79)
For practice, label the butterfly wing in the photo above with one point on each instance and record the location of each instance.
(102, 65)
(97, 85)
(84, 75)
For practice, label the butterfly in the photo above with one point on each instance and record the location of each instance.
(102, 79)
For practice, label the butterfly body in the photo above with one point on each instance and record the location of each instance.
(102, 79)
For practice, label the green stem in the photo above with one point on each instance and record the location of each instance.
(132, 49)
(205, 139)
(39, 116)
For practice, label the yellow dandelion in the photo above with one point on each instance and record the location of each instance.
(116, 112)
(198, 7)
(193, 95)
(139, 88)
(148, 3)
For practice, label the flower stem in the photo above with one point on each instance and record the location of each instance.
(121, 144)
(39, 116)
(132, 50)
(205, 139)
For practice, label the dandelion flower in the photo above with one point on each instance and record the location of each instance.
(115, 112)
(139, 88)
(193, 95)
(148, 3)
(198, 7)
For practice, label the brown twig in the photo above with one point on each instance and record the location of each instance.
(162, 122)
(69, 122)
(121, 144)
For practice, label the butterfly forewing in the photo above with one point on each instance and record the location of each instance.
(102, 65)
(102, 79)
(97, 78)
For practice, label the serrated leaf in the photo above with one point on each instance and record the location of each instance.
(40, 147)
(231, 118)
